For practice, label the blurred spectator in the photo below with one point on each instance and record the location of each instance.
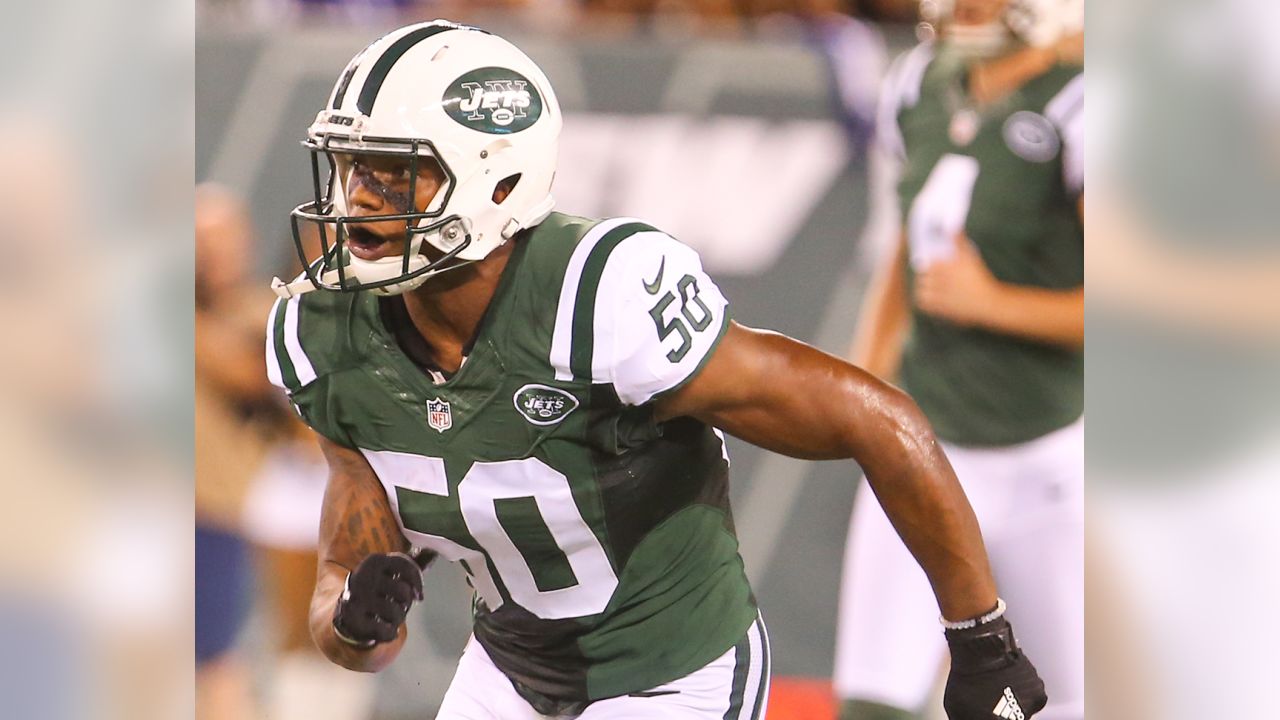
(270, 13)
(979, 309)
(856, 53)
(673, 17)
(233, 409)
(52, 389)
(668, 16)
(281, 517)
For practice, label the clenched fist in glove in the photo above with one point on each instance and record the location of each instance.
(990, 677)
(377, 598)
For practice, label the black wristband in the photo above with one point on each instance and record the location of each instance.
(985, 647)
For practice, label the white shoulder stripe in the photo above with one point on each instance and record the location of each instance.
(607, 333)
(1065, 106)
(901, 89)
(562, 336)
(301, 363)
(274, 374)
(914, 63)
(1066, 112)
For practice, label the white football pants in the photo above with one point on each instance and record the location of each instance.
(1029, 500)
(734, 686)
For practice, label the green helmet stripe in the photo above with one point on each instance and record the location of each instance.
(378, 74)
(345, 81)
(584, 308)
(397, 49)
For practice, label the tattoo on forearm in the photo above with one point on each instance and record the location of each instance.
(357, 520)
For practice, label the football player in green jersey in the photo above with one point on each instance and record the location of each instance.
(979, 311)
(540, 398)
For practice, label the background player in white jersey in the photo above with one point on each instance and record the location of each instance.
(978, 311)
(536, 396)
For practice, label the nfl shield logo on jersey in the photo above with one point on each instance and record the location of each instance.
(439, 416)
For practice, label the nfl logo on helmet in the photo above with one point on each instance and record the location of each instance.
(438, 415)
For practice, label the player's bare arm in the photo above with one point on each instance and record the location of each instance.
(791, 398)
(356, 522)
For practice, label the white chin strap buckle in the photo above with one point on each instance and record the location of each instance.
(292, 289)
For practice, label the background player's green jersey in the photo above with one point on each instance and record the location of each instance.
(1010, 175)
(599, 544)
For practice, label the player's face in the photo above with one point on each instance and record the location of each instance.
(384, 185)
(977, 12)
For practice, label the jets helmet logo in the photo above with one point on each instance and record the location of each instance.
(493, 100)
(439, 417)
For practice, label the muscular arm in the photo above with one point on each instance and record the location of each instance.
(788, 397)
(356, 521)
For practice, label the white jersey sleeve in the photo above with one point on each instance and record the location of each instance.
(656, 317)
(900, 90)
(1066, 112)
(288, 365)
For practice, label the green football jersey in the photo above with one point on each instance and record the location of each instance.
(599, 544)
(1010, 176)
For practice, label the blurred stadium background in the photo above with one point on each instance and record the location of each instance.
(687, 112)
(96, 303)
(738, 127)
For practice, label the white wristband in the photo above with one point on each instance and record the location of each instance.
(975, 622)
(346, 595)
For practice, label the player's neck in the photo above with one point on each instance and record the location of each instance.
(447, 310)
(993, 80)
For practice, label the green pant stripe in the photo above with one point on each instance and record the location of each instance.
(741, 664)
(584, 308)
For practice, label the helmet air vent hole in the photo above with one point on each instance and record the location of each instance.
(504, 187)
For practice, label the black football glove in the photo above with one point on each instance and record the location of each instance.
(990, 677)
(377, 598)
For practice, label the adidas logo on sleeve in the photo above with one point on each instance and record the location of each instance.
(1008, 707)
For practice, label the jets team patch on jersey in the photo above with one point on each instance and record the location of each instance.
(543, 405)
(1031, 137)
(493, 100)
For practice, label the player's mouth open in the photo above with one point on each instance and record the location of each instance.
(367, 245)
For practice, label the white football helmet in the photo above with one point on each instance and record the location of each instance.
(1038, 23)
(473, 102)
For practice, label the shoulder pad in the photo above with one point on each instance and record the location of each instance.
(307, 336)
(636, 311)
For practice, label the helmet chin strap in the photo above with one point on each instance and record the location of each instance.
(303, 284)
(380, 270)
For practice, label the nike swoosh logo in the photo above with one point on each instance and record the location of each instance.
(652, 288)
(653, 693)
